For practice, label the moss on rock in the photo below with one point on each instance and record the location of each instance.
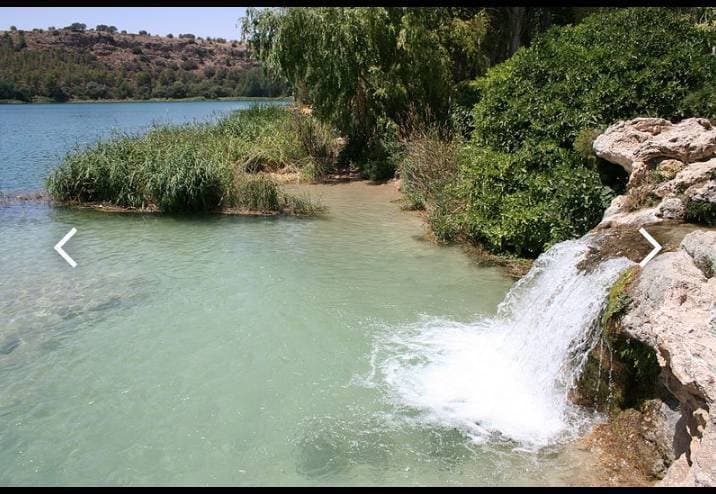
(701, 212)
(620, 372)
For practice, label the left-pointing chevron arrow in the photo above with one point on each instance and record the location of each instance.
(58, 247)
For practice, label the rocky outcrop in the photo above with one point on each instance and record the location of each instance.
(673, 310)
(641, 140)
(672, 171)
(669, 305)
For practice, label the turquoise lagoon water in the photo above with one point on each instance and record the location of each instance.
(224, 350)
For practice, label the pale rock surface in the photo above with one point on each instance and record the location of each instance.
(644, 139)
(682, 154)
(693, 174)
(671, 208)
(674, 311)
(705, 192)
(673, 300)
(669, 168)
(701, 246)
(633, 219)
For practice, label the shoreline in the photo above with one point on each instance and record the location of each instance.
(152, 210)
(149, 100)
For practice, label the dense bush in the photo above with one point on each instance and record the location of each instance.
(521, 202)
(199, 167)
(428, 166)
(527, 179)
(365, 70)
(630, 62)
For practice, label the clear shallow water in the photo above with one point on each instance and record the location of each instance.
(225, 350)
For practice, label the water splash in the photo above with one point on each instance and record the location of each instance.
(507, 375)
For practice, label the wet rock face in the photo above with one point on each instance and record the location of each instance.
(673, 311)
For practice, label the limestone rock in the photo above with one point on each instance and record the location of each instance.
(672, 305)
(634, 219)
(669, 168)
(639, 174)
(672, 208)
(673, 309)
(705, 192)
(645, 139)
(701, 246)
(693, 174)
(620, 142)
(616, 206)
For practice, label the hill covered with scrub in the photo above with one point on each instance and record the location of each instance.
(77, 63)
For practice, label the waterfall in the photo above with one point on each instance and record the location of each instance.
(508, 375)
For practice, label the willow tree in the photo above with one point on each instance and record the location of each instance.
(362, 67)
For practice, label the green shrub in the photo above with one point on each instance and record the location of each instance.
(263, 194)
(626, 63)
(701, 101)
(701, 212)
(427, 167)
(382, 152)
(524, 202)
(319, 142)
(188, 181)
(257, 193)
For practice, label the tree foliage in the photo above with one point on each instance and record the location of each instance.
(369, 70)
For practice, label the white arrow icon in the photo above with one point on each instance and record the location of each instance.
(655, 250)
(58, 247)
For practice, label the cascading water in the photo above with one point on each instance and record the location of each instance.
(509, 374)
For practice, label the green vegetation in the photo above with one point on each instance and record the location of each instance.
(199, 167)
(701, 212)
(618, 300)
(368, 71)
(628, 62)
(621, 372)
(75, 64)
(636, 363)
(428, 166)
(523, 184)
(514, 172)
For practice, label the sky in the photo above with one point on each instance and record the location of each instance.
(202, 21)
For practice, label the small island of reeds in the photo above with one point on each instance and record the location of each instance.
(227, 166)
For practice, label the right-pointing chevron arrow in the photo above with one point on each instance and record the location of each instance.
(655, 250)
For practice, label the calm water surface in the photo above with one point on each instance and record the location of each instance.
(221, 350)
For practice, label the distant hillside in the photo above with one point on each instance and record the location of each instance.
(74, 63)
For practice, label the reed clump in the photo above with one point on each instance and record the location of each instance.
(200, 166)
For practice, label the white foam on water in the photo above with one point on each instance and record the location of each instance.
(506, 375)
